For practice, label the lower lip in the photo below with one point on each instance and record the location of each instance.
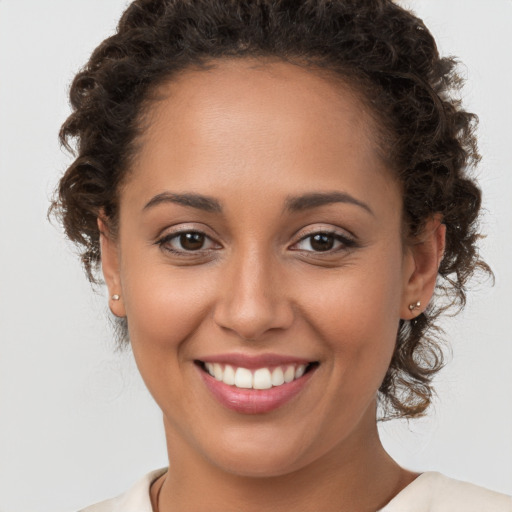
(254, 401)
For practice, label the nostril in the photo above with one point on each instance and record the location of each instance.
(251, 321)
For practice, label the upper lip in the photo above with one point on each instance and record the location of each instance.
(254, 361)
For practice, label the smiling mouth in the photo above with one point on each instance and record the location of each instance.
(258, 378)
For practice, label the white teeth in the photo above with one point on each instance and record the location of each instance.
(277, 377)
(243, 378)
(209, 367)
(217, 371)
(299, 372)
(229, 376)
(289, 374)
(262, 378)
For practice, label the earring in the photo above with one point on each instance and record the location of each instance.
(116, 297)
(412, 307)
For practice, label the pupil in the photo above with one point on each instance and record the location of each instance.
(322, 242)
(192, 241)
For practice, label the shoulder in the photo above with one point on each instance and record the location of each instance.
(136, 499)
(434, 492)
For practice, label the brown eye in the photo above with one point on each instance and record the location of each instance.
(186, 242)
(192, 241)
(322, 242)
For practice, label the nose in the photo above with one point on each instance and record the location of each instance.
(254, 299)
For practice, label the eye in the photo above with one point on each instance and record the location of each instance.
(186, 242)
(324, 241)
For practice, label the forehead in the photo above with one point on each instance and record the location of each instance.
(262, 85)
(275, 118)
(278, 91)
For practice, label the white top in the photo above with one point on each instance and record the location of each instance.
(430, 492)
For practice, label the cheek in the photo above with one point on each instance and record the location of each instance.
(361, 299)
(165, 308)
(164, 304)
(356, 313)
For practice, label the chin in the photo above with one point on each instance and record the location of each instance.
(256, 464)
(258, 454)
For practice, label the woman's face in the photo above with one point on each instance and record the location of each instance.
(260, 230)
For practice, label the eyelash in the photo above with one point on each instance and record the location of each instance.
(162, 242)
(345, 241)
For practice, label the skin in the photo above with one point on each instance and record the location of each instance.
(250, 134)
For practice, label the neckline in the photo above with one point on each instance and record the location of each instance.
(419, 481)
(411, 487)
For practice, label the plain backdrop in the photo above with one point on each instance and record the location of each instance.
(76, 424)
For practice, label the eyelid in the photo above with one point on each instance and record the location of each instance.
(347, 240)
(166, 238)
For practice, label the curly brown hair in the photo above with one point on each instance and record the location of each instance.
(383, 51)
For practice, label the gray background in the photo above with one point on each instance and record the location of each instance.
(76, 424)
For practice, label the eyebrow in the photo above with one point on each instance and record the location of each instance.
(316, 199)
(292, 203)
(208, 204)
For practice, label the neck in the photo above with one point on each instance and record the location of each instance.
(357, 475)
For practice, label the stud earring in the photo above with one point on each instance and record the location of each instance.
(116, 297)
(412, 307)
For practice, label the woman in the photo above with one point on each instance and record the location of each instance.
(275, 192)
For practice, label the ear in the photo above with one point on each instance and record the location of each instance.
(422, 260)
(110, 268)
